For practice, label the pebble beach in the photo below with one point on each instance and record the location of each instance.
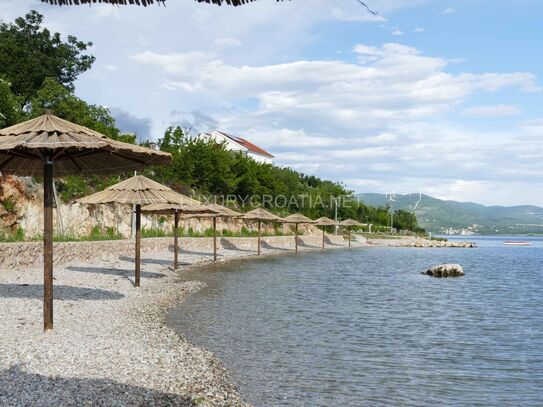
(111, 345)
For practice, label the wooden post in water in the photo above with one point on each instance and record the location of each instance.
(48, 244)
(176, 240)
(138, 247)
(323, 238)
(214, 238)
(296, 238)
(258, 240)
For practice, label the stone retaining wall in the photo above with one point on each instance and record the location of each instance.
(15, 256)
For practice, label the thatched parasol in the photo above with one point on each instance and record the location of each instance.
(224, 211)
(176, 210)
(138, 190)
(297, 218)
(324, 221)
(221, 212)
(48, 146)
(260, 215)
(348, 223)
(142, 2)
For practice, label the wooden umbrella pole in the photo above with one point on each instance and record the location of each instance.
(296, 238)
(175, 240)
(258, 240)
(323, 238)
(48, 244)
(349, 237)
(138, 246)
(214, 238)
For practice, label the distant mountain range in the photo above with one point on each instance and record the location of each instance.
(452, 217)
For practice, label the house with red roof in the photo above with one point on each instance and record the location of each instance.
(235, 143)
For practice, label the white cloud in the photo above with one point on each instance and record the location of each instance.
(397, 32)
(227, 43)
(419, 30)
(492, 111)
(391, 82)
(449, 10)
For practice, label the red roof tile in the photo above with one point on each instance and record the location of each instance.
(247, 144)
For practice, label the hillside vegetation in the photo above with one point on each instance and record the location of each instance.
(453, 217)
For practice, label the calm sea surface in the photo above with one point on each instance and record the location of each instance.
(362, 327)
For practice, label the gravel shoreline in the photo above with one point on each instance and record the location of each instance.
(111, 345)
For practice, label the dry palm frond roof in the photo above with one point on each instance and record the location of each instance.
(213, 210)
(298, 218)
(350, 222)
(223, 210)
(74, 149)
(324, 221)
(142, 2)
(138, 190)
(168, 209)
(262, 214)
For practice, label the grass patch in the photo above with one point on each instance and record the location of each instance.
(9, 205)
(17, 236)
(153, 232)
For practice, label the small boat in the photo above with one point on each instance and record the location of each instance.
(516, 243)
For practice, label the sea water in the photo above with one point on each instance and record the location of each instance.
(363, 327)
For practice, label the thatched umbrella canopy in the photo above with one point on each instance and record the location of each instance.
(142, 2)
(261, 214)
(348, 223)
(224, 211)
(220, 212)
(176, 210)
(48, 146)
(297, 218)
(139, 191)
(324, 221)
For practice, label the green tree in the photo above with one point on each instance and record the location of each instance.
(10, 111)
(29, 54)
(404, 220)
(55, 98)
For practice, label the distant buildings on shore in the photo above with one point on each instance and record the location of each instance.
(469, 231)
(235, 143)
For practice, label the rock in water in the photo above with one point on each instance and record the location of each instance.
(445, 270)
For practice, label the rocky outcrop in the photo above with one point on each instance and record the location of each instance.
(418, 242)
(445, 270)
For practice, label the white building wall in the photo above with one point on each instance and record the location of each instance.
(264, 159)
(219, 138)
(233, 146)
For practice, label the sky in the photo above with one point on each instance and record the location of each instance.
(443, 97)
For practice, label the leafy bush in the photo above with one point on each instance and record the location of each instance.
(209, 232)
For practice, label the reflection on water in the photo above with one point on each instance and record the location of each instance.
(363, 327)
